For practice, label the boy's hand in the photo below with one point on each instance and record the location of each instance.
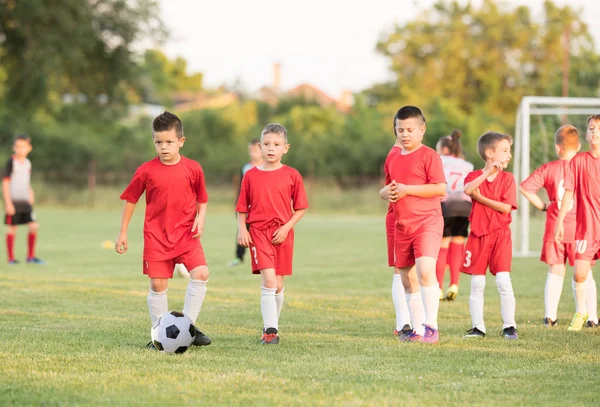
(121, 243)
(280, 234)
(476, 194)
(197, 228)
(559, 232)
(496, 167)
(400, 191)
(10, 209)
(244, 238)
(388, 192)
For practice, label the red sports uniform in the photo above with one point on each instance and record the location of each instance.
(172, 192)
(551, 176)
(490, 242)
(418, 232)
(268, 198)
(390, 218)
(583, 178)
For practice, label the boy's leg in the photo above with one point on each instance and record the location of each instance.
(476, 300)
(399, 300)
(582, 267)
(426, 273)
(456, 257)
(591, 298)
(413, 299)
(10, 242)
(195, 292)
(279, 296)
(31, 239)
(268, 303)
(157, 298)
(442, 261)
(553, 291)
(507, 299)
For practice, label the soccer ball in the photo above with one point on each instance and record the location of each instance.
(173, 332)
(181, 271)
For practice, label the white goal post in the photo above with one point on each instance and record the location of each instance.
(541, 106)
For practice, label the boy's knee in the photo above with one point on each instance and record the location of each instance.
(158, 285)
(33, 227)
(477, 283)
(200, 273)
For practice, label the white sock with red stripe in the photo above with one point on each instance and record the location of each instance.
(417, 312)
(157, 304)
(194, 297)
(400, 305)
(279, 301)
(591, 298)
(268, 307)
(552, 292)
(508, 304)
(579, 295)
(476, 302)
(431, 303)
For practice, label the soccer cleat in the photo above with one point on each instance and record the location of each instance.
(577, 322)
(411, 336)
(510, 333)
(474, 333)
(234, 263)
(405, 329)
(431, 335)
(452, 292)
(592, 324)
(270, 337)
(200, 339)
(549, 323)
(35, 260)
(150, 346)
(13, 261)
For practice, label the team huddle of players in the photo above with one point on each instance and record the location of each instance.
(424, 236)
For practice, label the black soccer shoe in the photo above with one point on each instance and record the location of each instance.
(201, 339)
(270, 337)
(474, 333)
(591, 324)
(549, 323)
(151, 346)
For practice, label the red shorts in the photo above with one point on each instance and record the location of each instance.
(164, 269)
(390, 222)
(587, 249)
(425, 244)
(493, 250)
(266, 255)
(558, 253)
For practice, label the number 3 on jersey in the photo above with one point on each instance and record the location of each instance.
(468, 255)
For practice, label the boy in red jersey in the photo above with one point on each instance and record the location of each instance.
(269, 193)
(176, 202)
(417, 186)
(582, 183)
(398, 294)
(494, 195)
(551, 176)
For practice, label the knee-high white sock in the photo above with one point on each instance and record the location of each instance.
(476, 302)
(400, 305)
(508, 304)
(157, 304)
(268, 307)
(579, 295)
(279, 301)
(194, 297)
(591, 298)
(431, 303)
(552, 292)
(417, 312)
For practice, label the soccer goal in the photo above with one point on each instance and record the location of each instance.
(541, 150)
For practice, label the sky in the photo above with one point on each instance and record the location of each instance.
(329, 43)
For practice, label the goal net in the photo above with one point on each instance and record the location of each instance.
(537, 119)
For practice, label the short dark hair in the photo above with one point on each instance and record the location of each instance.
(489, 140)
(254, 142)
(167, 121)
(274, 128)
(567, 137)
(452, 143)
(594, 117)
(408, 112)
(24, 137)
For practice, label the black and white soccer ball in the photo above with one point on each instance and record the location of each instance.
(173, 332)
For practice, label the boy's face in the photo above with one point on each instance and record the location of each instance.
(21, 148)
(273, 147)
(167, 145)
(592, 135)
(500, 153)
(410, 133)
(254, 152)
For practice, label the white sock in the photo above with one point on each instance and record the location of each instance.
(591, 299)
(194, 297)
(279, 301)
(476, 302)
(508, 304)
(417, 312)
(579, 295)
(431, 303)
(157, 304)
(399, 300)
(552, 292)
(268, 307)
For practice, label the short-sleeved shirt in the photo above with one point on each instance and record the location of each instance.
(455, 171)
(268, 197)
(551, 176)
(485, 220)
(19, 174)
(583, 178)
(420, 167)
(172, 192)
(386, 170)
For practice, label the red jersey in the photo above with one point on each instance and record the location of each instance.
(386, 170)
(583, 178)
(172, 192)
(421, 167)
(485, 220)
(551, 176)
(269, 196)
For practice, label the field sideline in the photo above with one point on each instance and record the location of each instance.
(73, 332)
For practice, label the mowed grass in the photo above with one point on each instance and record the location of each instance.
(74, 332)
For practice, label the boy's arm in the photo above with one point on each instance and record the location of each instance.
(471, 186)
(281, 233)
(495, 205)
(198, 225)
(243, 238)
(31, 196)
(559, 230)
(121, 243)
(534, 199)
(8, 205)
(423, 191)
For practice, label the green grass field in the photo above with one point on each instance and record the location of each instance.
(74, 332)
